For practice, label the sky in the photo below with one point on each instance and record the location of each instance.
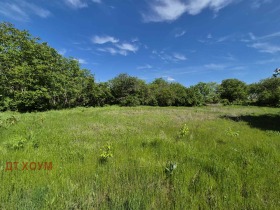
(185, 41)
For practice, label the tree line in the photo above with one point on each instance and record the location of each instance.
(35, 77)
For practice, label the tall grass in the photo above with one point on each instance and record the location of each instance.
(228, 158)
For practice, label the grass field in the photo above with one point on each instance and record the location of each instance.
(142, 158)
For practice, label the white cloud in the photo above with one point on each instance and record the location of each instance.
(97, 1)
(194, 7)
(214, 40)
(229, 57)
(113, 51)
(21, 10)
(165, 10)
(108, 49)
(127, 47)
(271, 36)
(104, 39)
(253, 37)
(163, 56)
(266, 47)
(214, 66)
(179, 34)
(62, 51)
(76, 4)
(82, 61)
(43, 13)
(147, 66)
(179, 56)
(258, 3)
(13, 11)
(115, 47)
(175, 57)
(209, 36)
(272, 60)
(169, 79)
(170, 10)
(263, 43)
(226, 38)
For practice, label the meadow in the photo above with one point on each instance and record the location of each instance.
(212, 157)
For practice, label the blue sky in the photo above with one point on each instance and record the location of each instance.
(185, 41)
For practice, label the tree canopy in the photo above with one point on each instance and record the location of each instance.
(233, 90)
(35, 77)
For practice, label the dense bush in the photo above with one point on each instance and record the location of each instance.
(233, 90)
(268, 92)
(127, 90)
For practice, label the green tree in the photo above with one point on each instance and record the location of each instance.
(194, 97)
(162, 92)
(35, 77)
(127, 90)
(253, 92)
(180, 94)
(233, 90)
(103, 94)
(209, 92)
(268, 92)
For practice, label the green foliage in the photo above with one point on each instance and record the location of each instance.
(127, 90)
(180, 94)
(225, 102)
(9, 121)
(16, 143)
(194, 97)
(273, 133)
(230, 132)
(130, 101)
(233, 90)
(184, 131)
(103, 94)
(253, 90)
(19, 142)
(32, 140)
(267, 92)
(12, 120)
(209, 92)
(106, 153)
(162, 92)
(35, 77)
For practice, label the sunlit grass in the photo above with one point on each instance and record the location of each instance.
(225, 158)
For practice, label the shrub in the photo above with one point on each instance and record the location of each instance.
(232, 133)
(16, 143)
(184, 131)
(130, 101)
(106, 153)
(225, 102)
